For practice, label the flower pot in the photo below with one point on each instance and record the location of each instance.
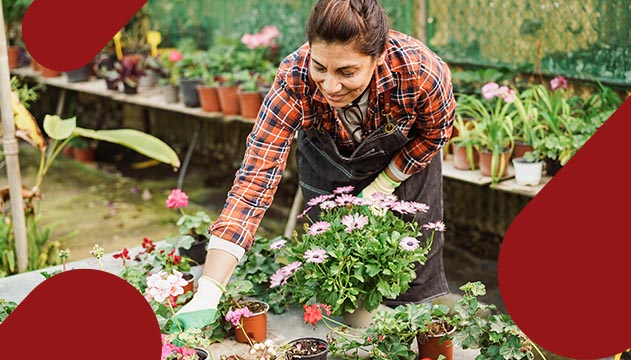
(197, 251)
(34, 65)
(250, 103)
(13, 54)
(311, 348)
(430, 346)
(48, 73)
(188, 91)
(552, 166)
(149, 79)
(81, 74)
(208, 98)
(84, 155)
(485, 164)
(461, 162)
(129, 89)
(360, 318)
(190, 281)
(202, 354)
(171, 93)
(255, 326)
(527, 173)
(520, 149)
(68, 151)
(228, 100)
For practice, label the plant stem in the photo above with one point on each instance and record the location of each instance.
(174, 317)
(539, 351)
(100, 264)
(245, 333)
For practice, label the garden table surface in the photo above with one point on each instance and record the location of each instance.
(281, 328)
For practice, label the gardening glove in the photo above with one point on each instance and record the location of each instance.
(382, 184)
(202, 309)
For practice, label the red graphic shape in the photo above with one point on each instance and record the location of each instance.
(564, 263)
(65, 35)
(82, 314)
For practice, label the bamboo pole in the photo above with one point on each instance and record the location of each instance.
(10, 146)
(420, 15)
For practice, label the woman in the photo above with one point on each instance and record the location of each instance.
(370, 107)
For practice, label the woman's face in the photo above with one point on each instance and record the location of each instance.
(340, 72)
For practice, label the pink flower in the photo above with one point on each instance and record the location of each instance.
(343, 189)
(404, 207)
(437, 226)
(319, 200)
(162, 285)
(270, 31)
(279, 278)
(177, 199)
(175, 56)
(328, 205)
(354, 221)
(277, 244)
(234, 316)
(315, 256)
(409, 243)
(489, 90)
(345, 199)
(558, 82)
(291, 268)
(509, 96)
(319, 228)
(420, 206)
(304, 213)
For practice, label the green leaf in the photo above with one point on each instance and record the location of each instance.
(139, 141)
(58, 128)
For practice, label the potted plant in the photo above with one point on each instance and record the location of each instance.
(129, 72)
(6, 308)
(193, 229)
(191, 345)
(495, 132)
(249, 318)
(104, 69)
(191, 72)
(497, 337)
(368, 236)
(169, 75)
(13, 12)
(466, 156)
(81, 74)
(306, 348)
(208, 95)
(248, 94)
(83, 150)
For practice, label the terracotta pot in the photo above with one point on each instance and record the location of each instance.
(228, 100)
(48, 73)
(84, 155)
(319, 356)
(34, 65)
(190, 281)
(208, 98)
(360, 318)
(13, 54)
(431, 348)
(68, 151)
(520, 149)
(255, 326)
(250, 103)
(461, 162)
(485, 164)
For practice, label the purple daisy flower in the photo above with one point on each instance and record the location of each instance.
(437, 226)
(277, 244)
(345, 199)
(343, 189)
(279, 278)
(315, 256)
(420, 206)
(354, 221)
(328, 205)
(319, 228)
(291, 268)
(409, 243)
(403, 207)
(319, 200)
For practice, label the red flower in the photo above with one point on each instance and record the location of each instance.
(381, 337)
(124, 255)
(148, 245)
(313, 314)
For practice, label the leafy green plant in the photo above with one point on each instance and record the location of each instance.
(497, 337)
(360, 249)
(6, 308)
(13, 11)
(467, 137)
(257, 266)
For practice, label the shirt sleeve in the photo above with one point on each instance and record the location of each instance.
(263, 164)
(435, 111)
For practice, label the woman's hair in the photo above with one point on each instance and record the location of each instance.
(363, 22)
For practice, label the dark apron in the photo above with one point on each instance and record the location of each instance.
(322, 168)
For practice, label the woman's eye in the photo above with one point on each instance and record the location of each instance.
(319, 69)
(347, 74)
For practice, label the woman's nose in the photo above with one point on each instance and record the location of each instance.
(331, 86)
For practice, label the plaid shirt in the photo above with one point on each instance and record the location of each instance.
(422, 106)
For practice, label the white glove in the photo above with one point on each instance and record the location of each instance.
(381, 184)
(202, 309)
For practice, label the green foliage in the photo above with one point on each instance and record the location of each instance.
(497, 337)
(470, 81)
(6, 308)
(366, 263)
(13, 11)
(26, 94)
(257, 266)
(467, 137)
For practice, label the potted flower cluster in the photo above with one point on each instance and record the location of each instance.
(193, 229)
(169, 74)
(359, 252)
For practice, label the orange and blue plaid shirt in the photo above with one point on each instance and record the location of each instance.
(422, 106)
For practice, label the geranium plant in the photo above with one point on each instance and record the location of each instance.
(359, 249)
